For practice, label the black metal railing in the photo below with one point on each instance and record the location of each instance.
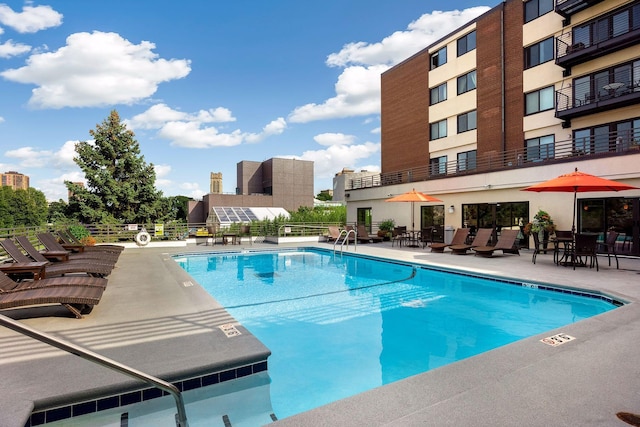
(616, 143)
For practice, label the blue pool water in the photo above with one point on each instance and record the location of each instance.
(338, 325)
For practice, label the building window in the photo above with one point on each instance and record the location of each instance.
(536, 8)
(467, 82)
(438, 165)
(539, 149)
(438, 130)
(540, 100)
(438, 94)
(466, 43)
(538, 53)
(467, 160)
(439, 58)
(467, 121)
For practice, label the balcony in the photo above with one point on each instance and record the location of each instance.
(604, 35)
(570, 150)
(566, 8)
(605, 90)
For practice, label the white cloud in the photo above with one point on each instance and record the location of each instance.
(192, 189)
(329, 139)
(334, 158)
(63, 158)
(157, 115)
(1, 119)
(9, 49)
(32, 18)
(190, 130)
(162, 170)
(54, 188)
(96, 69)
(29, 157)
(358, 87)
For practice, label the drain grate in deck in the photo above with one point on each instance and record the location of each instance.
(558, 339)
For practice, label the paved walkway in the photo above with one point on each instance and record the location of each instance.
(155, 318)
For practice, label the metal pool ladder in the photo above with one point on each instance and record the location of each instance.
(181, 416)
(346, 234)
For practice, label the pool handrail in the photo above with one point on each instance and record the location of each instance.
(181, 416)
(346, 234)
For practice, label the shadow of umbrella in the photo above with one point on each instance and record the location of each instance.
(578, 182)
(413, 196)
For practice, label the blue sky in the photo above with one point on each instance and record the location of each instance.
(205, 84)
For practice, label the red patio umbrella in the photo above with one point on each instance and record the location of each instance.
(578, 182)
(413, 196)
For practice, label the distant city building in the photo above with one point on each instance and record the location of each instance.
(15, 180)
(285, 183)
(215, 186)
(70, 193)
(348, 178)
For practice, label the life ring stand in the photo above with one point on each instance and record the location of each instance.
(143, 238)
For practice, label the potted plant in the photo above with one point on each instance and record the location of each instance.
(385, 227)
(541, 224)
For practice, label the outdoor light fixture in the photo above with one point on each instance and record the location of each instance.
(452, 209)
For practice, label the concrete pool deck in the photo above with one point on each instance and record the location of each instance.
(155, 318)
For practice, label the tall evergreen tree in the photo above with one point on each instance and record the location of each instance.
(120, 184)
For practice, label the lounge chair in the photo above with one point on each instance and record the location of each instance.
(334, 233)
(69, 240)
(506, 243)
(92, 267)
(483, 235)
(365, 237)
(459, 238)
(77, 299)
(51, 243)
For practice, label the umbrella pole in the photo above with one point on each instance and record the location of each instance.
(575, 202)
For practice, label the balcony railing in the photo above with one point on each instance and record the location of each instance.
(599, 37)
(600, 91)
(560, 151)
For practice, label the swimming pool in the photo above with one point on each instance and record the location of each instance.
(338, 325)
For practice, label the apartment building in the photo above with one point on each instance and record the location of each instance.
(15, 180)
(527, 91)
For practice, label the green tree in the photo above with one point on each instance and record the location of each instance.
(22, 207)
(120, 184)
(324, 196)
(58, 212)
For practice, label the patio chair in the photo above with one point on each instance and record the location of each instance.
(77, 299)
(92, 267)
(506, 243)
(538, 246)
(426, 236)
(585, 247)
(364, 236)
(51, 243)
(609, 246)
(399, 235)
(459, 238)
(564, 238)
(483, 235)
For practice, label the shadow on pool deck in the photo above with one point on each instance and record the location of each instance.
(153, 317)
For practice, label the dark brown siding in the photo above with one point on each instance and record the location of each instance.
(514, 52)
(405, 120)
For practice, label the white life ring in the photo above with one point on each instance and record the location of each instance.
(143, 238)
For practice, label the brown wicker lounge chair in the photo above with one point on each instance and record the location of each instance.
(365, 237)
(92, 267)
(506, 243)
(78, 299)
(51, 243)
(70, 242)
(459, 238)
(483, 235)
